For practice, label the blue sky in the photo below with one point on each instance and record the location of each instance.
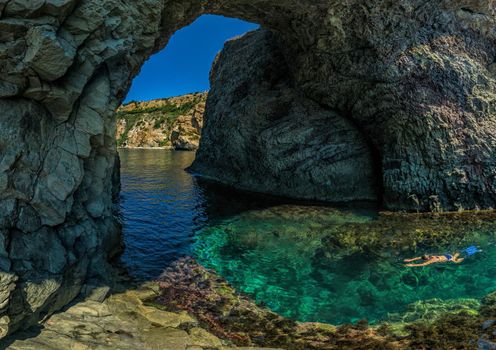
(184, 65)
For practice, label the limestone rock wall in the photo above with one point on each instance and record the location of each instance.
(173, 123)
(416, 78)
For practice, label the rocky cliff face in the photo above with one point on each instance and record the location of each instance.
(410, 82)
(173, 123)
(263, 135)
(410, 122)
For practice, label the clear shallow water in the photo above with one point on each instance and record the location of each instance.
(305, 262)
(276, 255)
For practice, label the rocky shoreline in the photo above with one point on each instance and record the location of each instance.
(191, 308)
(122, 321)
(187, 286)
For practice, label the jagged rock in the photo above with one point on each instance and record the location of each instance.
(121, 322)
(47, 55)
(399, 116)
(187, 131)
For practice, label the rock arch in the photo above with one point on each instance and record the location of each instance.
(416, 77)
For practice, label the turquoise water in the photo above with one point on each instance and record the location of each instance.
(309, 263)
(277, 256)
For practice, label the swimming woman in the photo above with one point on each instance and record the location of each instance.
(434, 259)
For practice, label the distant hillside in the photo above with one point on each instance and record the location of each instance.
(173, 123)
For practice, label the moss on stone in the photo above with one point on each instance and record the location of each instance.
(407, 232)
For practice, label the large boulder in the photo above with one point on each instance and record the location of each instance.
(264, 135)
(415, 83)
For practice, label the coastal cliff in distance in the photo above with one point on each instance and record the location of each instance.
(173, 123)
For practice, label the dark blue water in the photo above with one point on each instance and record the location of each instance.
(276, 251)
(162, 206)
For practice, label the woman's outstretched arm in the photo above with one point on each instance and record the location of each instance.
(413, 259)
(423, 264)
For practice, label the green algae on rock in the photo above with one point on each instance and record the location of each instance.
(435, 324)
(413, 232)
(188, 286)
(339, 266)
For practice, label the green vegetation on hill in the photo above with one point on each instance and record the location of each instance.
(167, 113)
(169, 108)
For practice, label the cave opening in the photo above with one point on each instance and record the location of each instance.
(169, 213)
(393, 70)
(158, 132)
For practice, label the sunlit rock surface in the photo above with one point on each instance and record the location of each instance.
(121, 322)
(416, 78)
(173, 123)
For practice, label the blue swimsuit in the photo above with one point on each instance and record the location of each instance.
(448, 256)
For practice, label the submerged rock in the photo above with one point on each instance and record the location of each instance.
(190, 287)
(334, 266)
(433, 324)
(411, 233)
(432, 310)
